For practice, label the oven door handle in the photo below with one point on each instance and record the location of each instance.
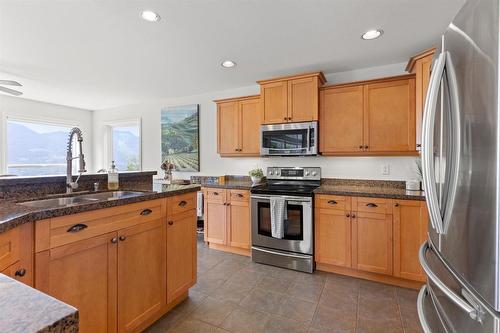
(286, 197)
(293, 255)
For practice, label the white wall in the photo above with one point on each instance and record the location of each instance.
(212, 164)
(33, 110)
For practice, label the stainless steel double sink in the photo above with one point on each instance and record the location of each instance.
(81, 199)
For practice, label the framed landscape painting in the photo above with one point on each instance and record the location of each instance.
(180, 143)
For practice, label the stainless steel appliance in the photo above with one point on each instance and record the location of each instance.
(295, 249)
(461, 168)
(295, 139)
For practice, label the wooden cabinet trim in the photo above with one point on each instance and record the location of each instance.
(365, 82)
(319, 75)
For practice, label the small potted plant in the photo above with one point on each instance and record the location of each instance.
(256, 174)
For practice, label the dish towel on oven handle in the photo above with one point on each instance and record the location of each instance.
(278, 217)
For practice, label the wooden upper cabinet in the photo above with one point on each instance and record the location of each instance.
(142, 271)
(275, 102)
(181, 253)
(227, 127)
(375, 117)
(291, 98)
(238, 126)
(421, 65)
(341, 119)
(389, 124)
(410, 231)
(83, 274)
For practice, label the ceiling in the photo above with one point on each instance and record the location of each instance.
(98, 54)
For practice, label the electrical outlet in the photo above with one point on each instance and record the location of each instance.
(386, 169)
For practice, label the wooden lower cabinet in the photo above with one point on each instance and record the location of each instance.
(227, 220)
(124, 280)
(83, 274)
(16, 253)
(371, 238)
(142, 271)
(181, 254)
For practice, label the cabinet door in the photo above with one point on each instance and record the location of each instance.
(303, 99)
(215, 216)
(423, 76)
(83, 274)
(275, 102)
(410, 231)
(181, 254)
(389, 119)
(333, 237)
(249, 126)
(227, 127)
(141, 274)
(341, 119)
(238, 232)
(372, 242)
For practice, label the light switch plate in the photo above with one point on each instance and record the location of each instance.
(386, 169)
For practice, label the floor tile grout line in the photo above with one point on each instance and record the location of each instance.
(399, 311)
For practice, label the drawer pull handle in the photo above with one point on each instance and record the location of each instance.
(371, 205)
(77, 227)
(170, 222)
(146, 212)
(239, 195)
(216, 193)
(396, 205)
(332, 202)
(20, 272)
(183, 203)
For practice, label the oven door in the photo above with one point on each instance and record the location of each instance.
(289, 139)
(298, 225)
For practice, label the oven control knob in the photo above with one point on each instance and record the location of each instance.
(271, 172)
(307, 173)
(314, 173)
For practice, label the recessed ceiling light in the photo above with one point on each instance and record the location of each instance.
(372, 34)
(228, 64)
(150, 16)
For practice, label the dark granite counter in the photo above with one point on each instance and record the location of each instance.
(368, 188)
(232, 184)
(13, 214)
(25, 310)
(228, 182)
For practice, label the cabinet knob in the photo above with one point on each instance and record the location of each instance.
(285, 118)
(170, 222)
(289, 118)
(366, 147)
(347, 215)
(360, 147)
(20, 272)
(353, 216)
(114, 240)
(122, 238)
(396, 205)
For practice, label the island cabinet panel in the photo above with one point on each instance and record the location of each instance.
(83, 274)
(375, 117)
(410, 231)
(341, 119)
(181, 254)
(371, 238)
(227, 220)
(142, 273)
(238, 126)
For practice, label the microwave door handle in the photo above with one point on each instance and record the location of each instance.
(427, 142)
(309, 138)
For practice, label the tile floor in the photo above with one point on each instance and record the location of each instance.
(235, 295)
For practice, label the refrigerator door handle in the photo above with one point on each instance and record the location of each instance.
(420, 309)
(427, 142)
(474, 312)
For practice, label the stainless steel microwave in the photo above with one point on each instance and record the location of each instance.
(290, 139)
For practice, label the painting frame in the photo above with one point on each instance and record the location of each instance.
(180, 136)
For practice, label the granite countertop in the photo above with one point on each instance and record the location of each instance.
(25, 310)
(232, 184)
(370, 191)
(13, 214)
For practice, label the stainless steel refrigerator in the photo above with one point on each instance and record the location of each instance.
(461, 169)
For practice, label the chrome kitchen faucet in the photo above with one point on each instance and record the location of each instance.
(70, 185)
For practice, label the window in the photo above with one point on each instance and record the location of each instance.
(36, 148)
(125, 145)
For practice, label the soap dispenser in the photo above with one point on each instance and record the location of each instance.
(113, 182)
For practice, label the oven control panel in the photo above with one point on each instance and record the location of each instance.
(296, 173)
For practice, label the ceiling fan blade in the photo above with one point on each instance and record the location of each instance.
(10, 83)
(10, 91)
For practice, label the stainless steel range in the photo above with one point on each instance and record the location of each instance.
(293, 248)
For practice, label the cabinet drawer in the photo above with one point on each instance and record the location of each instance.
(9, 247)
(374, 205)
(181, 203)
(68, 229)
(333, 202)
(215, 194)
(239, 195)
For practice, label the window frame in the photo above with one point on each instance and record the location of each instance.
(108, 151)
(26, 119)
